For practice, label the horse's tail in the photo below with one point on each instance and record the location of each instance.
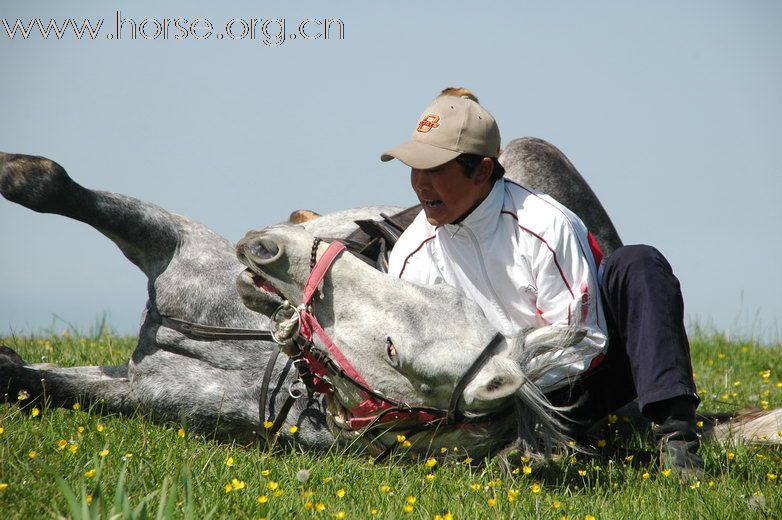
(750, 427)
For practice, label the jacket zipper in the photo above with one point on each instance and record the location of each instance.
(486, 278)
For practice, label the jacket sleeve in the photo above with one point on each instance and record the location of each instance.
(568, 295)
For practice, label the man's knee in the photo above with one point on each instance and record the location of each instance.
(637, 256)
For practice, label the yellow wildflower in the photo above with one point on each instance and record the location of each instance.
(90, 473)
(341, 492)
(699, 424)
(61, 444)
(431, 462)
(32, 454)
(229, 461)
(695, 485)
(771, 476)
(582, 472)
(601, 443)
(410, 499)
(475, 486)
(99, 427)
(730, 455)
(237, 484)
(612, 418)
(629, 458)
(408, 508)
(35, 412)
(23, 395)
(556, 504)
(272, 485)
(491, 502)
(373, 512)
(228, 488)
(262, 499)
(385, 488)
(267, 424)
(589, 517)
(2, 430)
(429, 477)
(666, 472)
(278, 493)
(293, 429)
(645, 475)
(265, 472)
(407, 444)
(307, 505)
(443, 450)
(180, 433)
(88, 498)
(711, 483)
(320, 506)
(76, 406)
(512, 495)
(326, 480)
(340, 515)
(400, 438)
(468, 460)
(3, 486)
(73, 447)
(103, 453)
(127, 456)
(526, 470)
(515, 471)
(535, 488)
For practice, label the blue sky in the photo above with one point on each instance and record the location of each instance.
(671, 110)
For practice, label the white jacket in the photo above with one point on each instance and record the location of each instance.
(523, 258)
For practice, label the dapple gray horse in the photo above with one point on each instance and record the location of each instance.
(214, 386)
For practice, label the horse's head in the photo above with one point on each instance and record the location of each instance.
(409, 343)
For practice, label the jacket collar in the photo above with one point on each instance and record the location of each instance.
(484, 218)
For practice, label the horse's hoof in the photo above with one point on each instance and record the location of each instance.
(8, 356)
(34, 182)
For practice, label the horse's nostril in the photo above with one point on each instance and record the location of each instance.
(264, 249)
(261, 251)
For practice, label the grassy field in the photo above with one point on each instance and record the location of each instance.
(81, 464)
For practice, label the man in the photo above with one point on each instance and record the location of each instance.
(526, 260)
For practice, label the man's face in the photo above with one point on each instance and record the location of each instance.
(446, 193)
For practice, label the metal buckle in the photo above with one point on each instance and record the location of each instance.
(275, 326)
(297, 389)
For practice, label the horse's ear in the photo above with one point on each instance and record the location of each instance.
(500, 378)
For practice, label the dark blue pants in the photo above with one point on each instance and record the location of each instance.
(648, 353)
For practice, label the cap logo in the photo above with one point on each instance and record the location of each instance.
(427, 123)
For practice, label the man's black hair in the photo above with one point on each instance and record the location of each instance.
(471, 161)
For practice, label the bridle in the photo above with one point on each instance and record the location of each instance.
(294, 329)
(318, 369)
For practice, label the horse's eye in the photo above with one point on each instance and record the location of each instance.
(391, 352)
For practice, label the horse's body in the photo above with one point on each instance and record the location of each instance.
(214, 386)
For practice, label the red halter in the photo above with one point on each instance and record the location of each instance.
(375, 408)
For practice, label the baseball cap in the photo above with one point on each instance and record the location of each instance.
(449, 127)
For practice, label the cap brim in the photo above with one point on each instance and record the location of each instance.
(419, 155)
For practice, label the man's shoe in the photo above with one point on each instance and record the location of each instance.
(676, 436)
(678, 444)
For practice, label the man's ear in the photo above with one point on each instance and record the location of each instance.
(499, 378)
(483, 171)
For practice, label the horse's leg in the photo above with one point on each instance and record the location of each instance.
(145, 233)
(540, 165)
(104, 385)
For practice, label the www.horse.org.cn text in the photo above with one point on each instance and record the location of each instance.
(271, 32)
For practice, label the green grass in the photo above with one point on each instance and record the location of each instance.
(146, 468)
